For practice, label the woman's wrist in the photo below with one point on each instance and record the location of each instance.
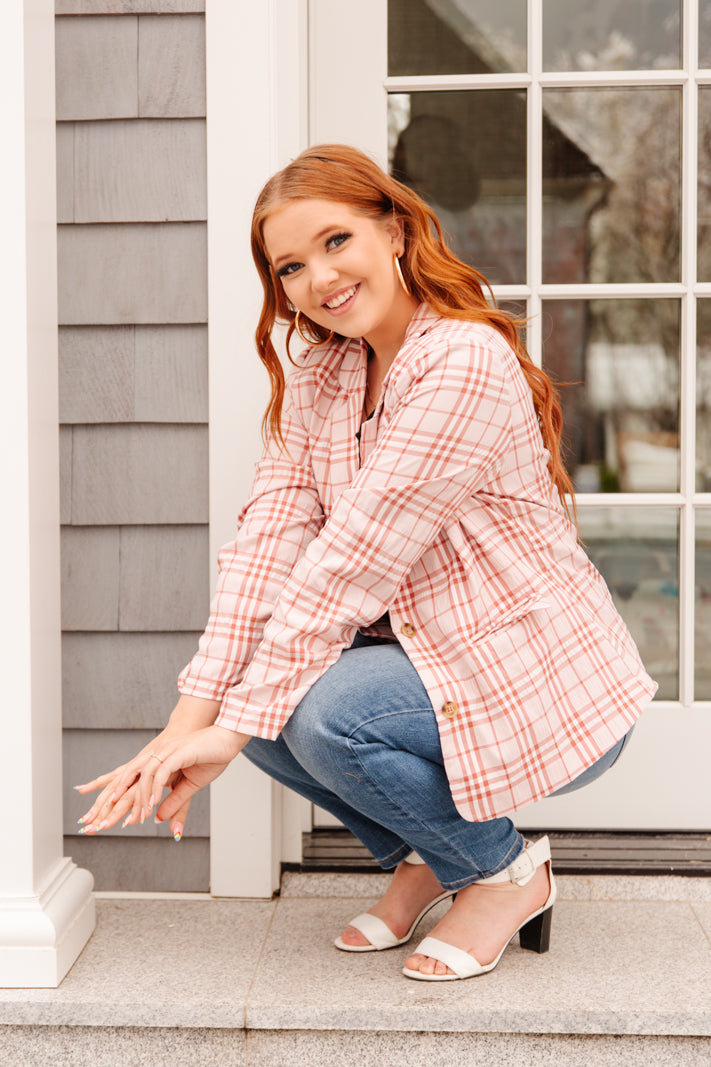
(192, 713)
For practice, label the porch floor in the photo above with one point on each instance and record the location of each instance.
(190, 979)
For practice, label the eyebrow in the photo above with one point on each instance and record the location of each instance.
(317, 237)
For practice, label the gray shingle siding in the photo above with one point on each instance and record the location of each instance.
(131, 194)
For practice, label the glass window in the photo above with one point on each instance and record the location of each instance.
(704, 186)
(703, 396)
(456, 36)
(702, 654)
(621, 406)
(611, 185)
(611, 34)
(705, 33)
(637, 553)
(449, 148)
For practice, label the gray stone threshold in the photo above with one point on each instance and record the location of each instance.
(630, 959)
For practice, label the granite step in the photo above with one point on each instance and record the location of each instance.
(191, 979)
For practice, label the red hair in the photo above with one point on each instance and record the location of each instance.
(432, 272)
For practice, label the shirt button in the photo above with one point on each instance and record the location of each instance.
(408, 630)
(450, 709)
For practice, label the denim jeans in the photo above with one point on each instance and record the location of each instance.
(363, 744)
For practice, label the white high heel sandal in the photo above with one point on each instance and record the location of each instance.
(379, 933)
(534, 932)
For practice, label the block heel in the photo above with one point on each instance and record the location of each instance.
(536, 934)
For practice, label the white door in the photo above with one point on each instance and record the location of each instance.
(558, 144)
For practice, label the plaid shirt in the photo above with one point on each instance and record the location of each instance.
(440, 512)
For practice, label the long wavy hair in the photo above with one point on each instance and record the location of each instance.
(432, 272)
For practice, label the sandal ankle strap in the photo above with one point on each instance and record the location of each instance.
(523, 868)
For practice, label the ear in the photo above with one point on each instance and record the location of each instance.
(396, 232)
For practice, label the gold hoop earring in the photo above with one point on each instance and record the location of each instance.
(398, 271)
(306, 340)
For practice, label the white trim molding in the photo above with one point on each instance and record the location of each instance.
(46, 906)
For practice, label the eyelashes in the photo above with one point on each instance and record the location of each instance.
(332, 244)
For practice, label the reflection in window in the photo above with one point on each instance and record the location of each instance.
(702, 652)
(611, 185)
(611, 34)
(705, 33)
(456, 36)
(703, 272)
(637, 553)
(703, 396)
(447, 146)
(621, 406)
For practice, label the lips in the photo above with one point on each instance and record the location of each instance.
(341, 301)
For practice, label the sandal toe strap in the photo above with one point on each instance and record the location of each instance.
(463, 965)
(378, 933)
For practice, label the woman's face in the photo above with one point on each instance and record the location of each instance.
(337, 268)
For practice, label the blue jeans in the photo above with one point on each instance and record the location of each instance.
(363, 744)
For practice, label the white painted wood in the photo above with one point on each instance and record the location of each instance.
(348, 51)
(122, 681)
(123, 274)
(256, 98)
(90, 578)
(162, 578)
(139, 473)
(151, 170)
(171, 374)
(46, 908)
(97, 71)
(86, 753)
(96, 374)
(171, 66)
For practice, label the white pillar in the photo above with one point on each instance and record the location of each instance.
(256, 121)
(46, 906)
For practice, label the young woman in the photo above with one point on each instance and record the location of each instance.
(406, 630)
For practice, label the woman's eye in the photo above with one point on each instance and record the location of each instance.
(290, 268)
(337, 240)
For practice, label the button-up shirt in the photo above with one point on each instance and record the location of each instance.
(440, 512)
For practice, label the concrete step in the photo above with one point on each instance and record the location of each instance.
(189, 979)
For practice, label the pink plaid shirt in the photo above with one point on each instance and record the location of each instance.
(441, 514)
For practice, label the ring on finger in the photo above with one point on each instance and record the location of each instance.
(156, 756)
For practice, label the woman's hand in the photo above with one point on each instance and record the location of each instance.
(119, 797)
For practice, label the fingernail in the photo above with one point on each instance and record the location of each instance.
(83, 830)
(125, 822)
(102, 825)
(143, 815)
(151, 802)
(81, 820)
(177, 833)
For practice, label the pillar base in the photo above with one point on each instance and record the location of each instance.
(41, 936)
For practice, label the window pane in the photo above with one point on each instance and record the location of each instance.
(702, 651)
(703, 396)
(611, 34)
(611, 185)
(637, 553)
(705, 33)
(456, 36)
(703, 271)
(621, 410)
(448, 147)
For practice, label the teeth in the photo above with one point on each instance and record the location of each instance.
(337, 301)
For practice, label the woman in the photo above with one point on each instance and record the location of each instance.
(406, 630)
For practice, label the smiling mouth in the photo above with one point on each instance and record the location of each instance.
(341, 299)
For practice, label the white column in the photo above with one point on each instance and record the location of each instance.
(46, 906)
(256, 121)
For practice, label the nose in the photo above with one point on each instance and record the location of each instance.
(323, 276)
